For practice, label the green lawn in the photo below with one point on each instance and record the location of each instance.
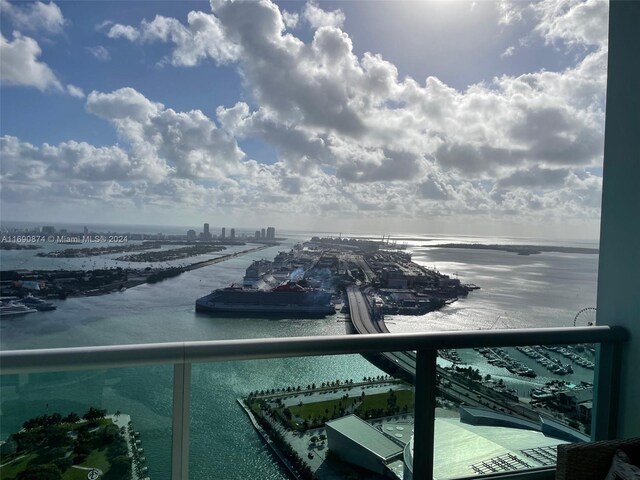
(319, 409)
(403, 397)
(75, 474)
(9, 472)
(97, 459)
(376, 401)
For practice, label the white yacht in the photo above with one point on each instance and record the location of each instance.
(12, 308)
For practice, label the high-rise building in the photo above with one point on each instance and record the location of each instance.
(233, 234)
(191, 235)
(257, 234)
(271, 233)
(206, 234)
(224, 233)
(263, 234)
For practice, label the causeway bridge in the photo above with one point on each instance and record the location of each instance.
(364, 322)
(451, 386)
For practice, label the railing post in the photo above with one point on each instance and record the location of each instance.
(180, 428)
(425, 412)
(604, 418)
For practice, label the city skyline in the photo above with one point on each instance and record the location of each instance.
(319, 114)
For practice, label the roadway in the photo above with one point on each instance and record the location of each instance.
(451, 385)
(361, 318)
(364, 266)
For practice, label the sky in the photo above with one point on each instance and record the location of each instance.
(459, 117)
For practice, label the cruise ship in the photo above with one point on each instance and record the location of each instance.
(289, 298)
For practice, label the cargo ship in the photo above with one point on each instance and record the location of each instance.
(289, 298)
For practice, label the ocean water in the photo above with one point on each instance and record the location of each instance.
(543, 290)
(516, 291)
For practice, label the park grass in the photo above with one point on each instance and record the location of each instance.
(96, 459)
(325, 408)
(9, 472)
(320, 409)
(403, 398)
(75, 474)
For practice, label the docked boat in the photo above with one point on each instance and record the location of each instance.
(37, 303)
(526, 372)
(11, 308)
(290, 298)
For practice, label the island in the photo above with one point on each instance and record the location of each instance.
(18, 246)
(95, 251)
(172, 254)
(61, 284)
(57, 447)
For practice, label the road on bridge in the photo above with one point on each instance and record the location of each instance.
(456, 388)
(364, 323)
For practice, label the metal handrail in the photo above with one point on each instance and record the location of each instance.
(183, 354)
(84, 358)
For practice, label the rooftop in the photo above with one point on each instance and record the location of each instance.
(367, 436)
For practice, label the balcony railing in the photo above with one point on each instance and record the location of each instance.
(183, 354)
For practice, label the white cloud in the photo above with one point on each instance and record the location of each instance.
(158, 144)
(508, 52)
(34, 17)
(71, 160)
(290, 19)
(511, 11)
(350, 135)
(575, 22)
(318, 17)
(123, 31)
(327, 111)
(100, 52)
(75, 91)
(20, 64)
(537, 177)
(184, 144)
(122, 105)
(202, 38)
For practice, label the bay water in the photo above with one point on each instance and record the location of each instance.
(542, 290)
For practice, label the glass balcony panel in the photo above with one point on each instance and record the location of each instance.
(141, 395)
(507, 409)
(304, 406)
(291, 400)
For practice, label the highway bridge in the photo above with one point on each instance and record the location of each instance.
(451, 386)
(364, 323)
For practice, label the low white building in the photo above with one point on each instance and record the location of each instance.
(357, 442)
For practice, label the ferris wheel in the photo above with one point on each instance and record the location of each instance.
(585, 317)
